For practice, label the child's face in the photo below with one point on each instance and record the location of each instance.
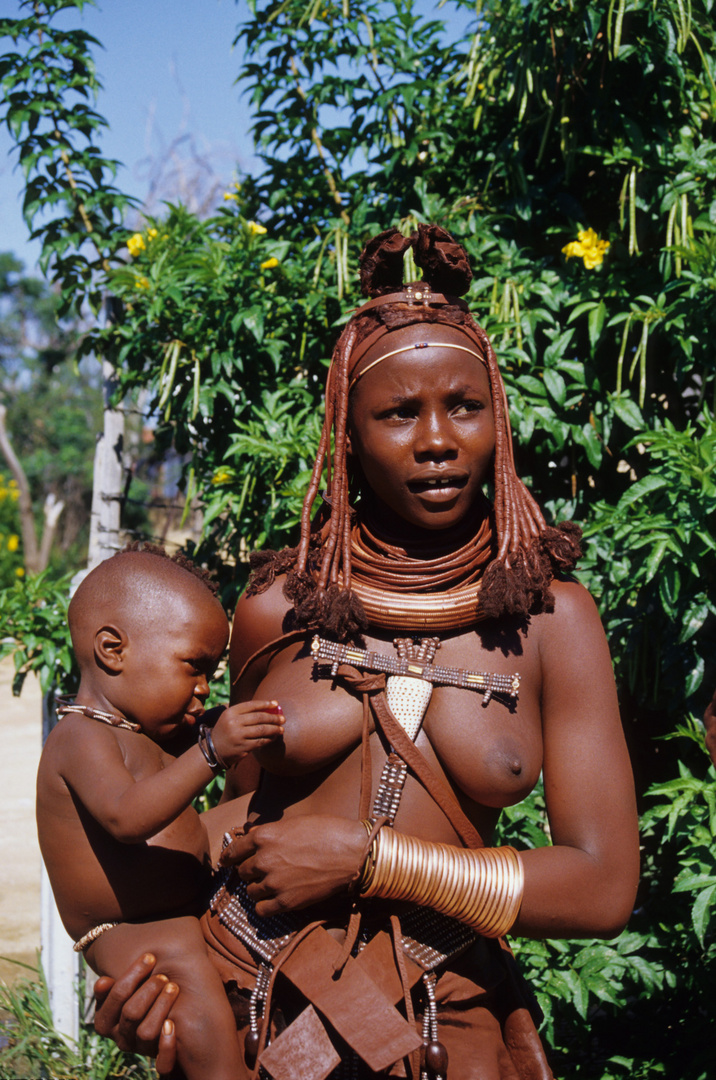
(168, 667)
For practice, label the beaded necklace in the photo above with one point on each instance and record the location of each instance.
(406, 591)
(67, 705)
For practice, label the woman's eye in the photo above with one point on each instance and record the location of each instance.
(400, 412)
(468, 407)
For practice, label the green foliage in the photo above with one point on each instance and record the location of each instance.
(652, 567)
(216, 317)
(33, 615)
(48, 82)
(643, 999)
(32, 1047)
(53, 405)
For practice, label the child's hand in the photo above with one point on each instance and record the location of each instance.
(246, 727)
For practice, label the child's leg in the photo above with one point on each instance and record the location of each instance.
(207, 1043)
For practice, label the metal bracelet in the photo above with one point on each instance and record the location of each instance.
(206, 745)
(213, 751)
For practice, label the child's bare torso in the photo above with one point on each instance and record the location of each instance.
(95, 877)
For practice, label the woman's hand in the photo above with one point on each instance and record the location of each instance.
(133, 1011)
(294, 863)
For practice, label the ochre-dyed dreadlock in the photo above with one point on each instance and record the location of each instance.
(528, 552)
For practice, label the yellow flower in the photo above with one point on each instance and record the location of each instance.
(13, 542)
(141, 283)
(136, 244)
(152, 234)
(255, 229)
(269, 264)
(19, 571)
(222, 476)
(588, 247)
(228, 195)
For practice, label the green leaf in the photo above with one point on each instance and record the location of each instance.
(701, 912)
(596, 321)
(694, 678)
(589, 439)
(555, 385)
(646, 486)
(627, 411)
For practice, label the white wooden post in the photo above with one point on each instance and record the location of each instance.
(60, 963)
(108, 478)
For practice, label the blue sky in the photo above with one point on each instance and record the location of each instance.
(168, 69)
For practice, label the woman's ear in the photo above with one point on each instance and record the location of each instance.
(110, 644)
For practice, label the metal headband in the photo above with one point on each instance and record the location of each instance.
(409, 348)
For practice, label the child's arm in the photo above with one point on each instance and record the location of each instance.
(135, 810)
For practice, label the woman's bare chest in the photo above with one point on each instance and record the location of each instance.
(490, 749)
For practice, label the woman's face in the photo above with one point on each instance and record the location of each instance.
(422, 428)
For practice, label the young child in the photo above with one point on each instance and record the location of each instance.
(127, 856)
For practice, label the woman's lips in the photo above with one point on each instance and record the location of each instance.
(437, 488)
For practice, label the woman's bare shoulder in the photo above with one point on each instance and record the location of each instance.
(258, 620)
(574, 629)
(572, 599)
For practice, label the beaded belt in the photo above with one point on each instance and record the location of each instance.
(428, 938)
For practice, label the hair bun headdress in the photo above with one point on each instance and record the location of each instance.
(443, 261)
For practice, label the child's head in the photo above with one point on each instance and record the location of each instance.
(148, 633)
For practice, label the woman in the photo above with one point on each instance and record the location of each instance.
(388, 912)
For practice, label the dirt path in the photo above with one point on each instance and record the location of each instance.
(21, 726)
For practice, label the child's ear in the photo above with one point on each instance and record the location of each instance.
(110, 643)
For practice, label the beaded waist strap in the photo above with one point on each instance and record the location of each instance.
(428, 938)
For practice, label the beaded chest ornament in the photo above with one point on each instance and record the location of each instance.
(409, 686)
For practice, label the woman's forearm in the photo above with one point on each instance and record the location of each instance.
(553, 891)
(571, 893)
(481, 888)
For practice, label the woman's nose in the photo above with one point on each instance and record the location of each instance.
(434, 437)
(202, 687)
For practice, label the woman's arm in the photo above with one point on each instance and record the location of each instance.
(258, 620)
(585, 884)
(299, 861)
